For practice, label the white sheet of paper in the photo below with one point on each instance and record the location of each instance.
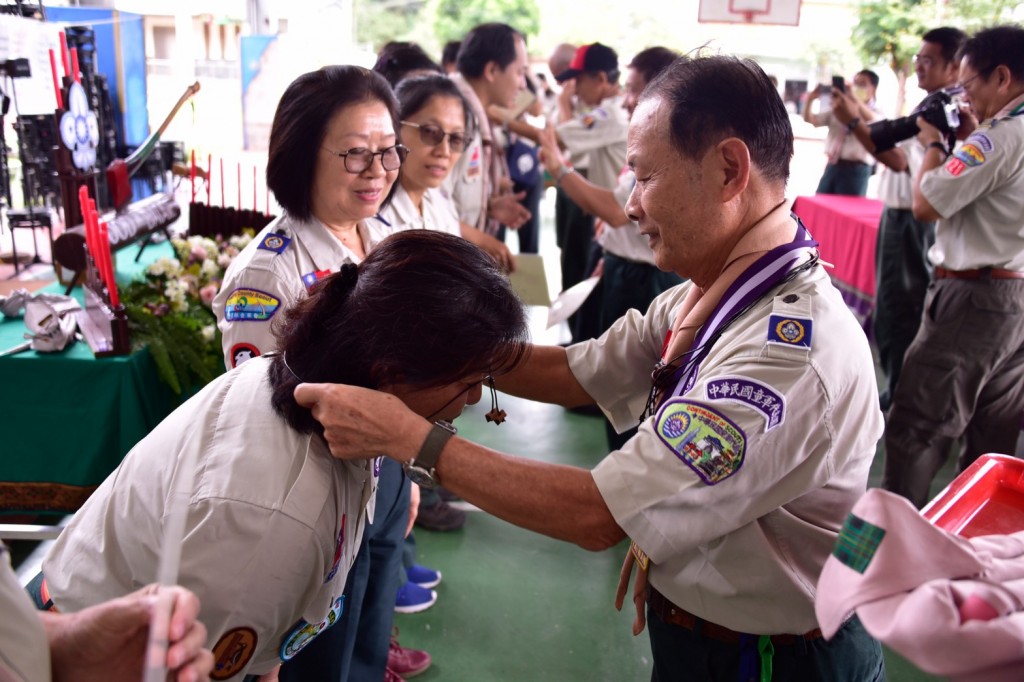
(529, 280)
(570, 300)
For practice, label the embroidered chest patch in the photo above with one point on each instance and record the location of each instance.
(751, 393)
(858, 541)
(250, 305)
(304, 632)
(704, 439)
(789, 331)
(311, 278)
(473, 168)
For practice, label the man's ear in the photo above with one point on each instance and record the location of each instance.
(491, 71)
(733, 158)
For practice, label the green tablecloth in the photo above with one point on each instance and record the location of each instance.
(69, 418)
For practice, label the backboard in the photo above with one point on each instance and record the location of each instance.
(777, 12)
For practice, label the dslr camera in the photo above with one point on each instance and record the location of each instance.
(941, 109)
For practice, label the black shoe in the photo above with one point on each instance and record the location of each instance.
(447, 495)
(441, 517)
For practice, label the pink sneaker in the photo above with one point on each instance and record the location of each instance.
(404, 662)
(391, 676)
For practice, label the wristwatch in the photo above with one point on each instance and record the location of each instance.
(421, 470)
(562, 171)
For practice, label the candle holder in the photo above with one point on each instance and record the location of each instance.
(104, 326)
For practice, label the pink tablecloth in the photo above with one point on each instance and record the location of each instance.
(847, 230)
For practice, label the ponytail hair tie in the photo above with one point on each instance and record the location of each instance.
(349, 274)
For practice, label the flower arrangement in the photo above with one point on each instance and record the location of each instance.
(170, 309)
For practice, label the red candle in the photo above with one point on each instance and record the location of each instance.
(83, 202)
(209, 178)
(65, 62)
(108, 266)
(56, 81)
(74, 65)
(222, 182)
(192, 175)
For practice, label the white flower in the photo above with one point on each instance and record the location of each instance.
(208, 333)
(240, 241)
(209, 269)
(164, 267)
(175, 292)
(224, 260)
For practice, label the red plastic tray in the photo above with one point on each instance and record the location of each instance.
(986, 499)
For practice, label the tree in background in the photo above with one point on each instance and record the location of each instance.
(889, 31)
(453, 19)
(380, 21)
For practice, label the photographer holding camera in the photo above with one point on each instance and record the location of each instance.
(902, 270)
(849, 163)
(963, 374)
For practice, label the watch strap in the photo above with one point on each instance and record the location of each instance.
(426, 458)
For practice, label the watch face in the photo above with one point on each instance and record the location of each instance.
(420, 476)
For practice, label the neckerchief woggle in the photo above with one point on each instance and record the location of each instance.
(755, 282)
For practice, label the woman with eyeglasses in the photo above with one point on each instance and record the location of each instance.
(272, 521)
(333, 160)
(436, 128)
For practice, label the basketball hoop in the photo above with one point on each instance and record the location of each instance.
(760, 12)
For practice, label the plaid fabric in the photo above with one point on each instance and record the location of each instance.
(858, 542)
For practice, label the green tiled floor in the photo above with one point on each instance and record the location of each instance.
(518, 606)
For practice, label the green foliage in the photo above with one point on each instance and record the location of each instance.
(378, 22)
(453, 19)
(169, 310)
(889, 31)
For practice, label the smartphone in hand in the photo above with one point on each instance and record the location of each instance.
(839, 83)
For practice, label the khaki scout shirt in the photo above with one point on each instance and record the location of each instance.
(24, 654)
(478, 172)
(599, 132)
(274, 271)
(979, 192)
(274, 523)
(438, 212)
(740, 542)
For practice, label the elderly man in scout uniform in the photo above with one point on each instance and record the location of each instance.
(757, 433)
(964, 372)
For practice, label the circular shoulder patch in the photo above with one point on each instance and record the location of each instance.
(232, 652)
(240, 352)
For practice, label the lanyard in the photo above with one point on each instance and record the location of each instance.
(770, 270)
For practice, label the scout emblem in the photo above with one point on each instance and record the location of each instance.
(705, 440)
(304, 632)
(232, 652)
(789, 331)
(274, 242)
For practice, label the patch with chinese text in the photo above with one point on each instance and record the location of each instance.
(705, 440)
(955, 167)
(751, 393)
(970, 155)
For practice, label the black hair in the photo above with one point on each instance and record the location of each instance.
(948, 38)
(486, 43)
(714, 97)
(652, 61)
(996, 46)
(397, 59)
(450, 52)
(424, 308)
(871, 75)
(300, 123)
(415, 93)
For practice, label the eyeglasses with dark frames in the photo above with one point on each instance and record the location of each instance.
(433, 136)
(358, 159)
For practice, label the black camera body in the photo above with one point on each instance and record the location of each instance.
(939, 108)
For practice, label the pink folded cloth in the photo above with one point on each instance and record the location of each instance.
(951, 606)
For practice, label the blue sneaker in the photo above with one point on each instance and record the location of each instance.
(412, 598)
(423, 576)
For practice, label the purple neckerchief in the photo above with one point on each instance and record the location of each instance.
(764, 275)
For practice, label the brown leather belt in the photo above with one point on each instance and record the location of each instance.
(670, 613)
(980, 273)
